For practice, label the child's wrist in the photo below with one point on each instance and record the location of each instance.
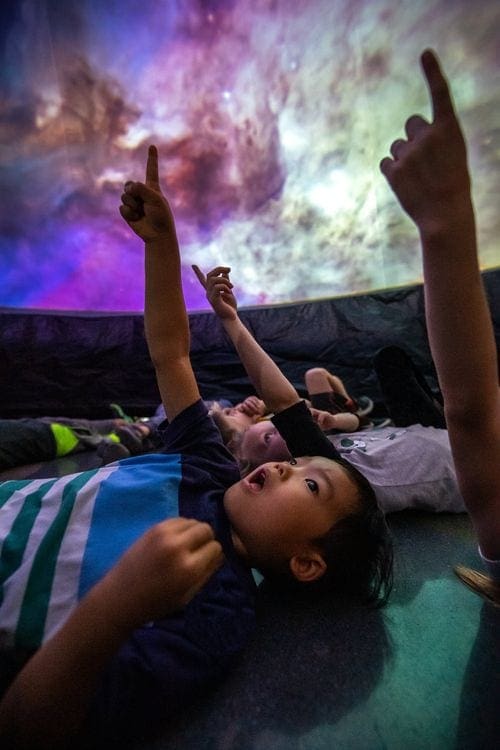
(159, 241)
(105, 597)
(443, 234)
(455, 219)
(231, 322)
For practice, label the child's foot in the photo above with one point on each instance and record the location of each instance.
(363, 406)
(375, 424)
(379, 422)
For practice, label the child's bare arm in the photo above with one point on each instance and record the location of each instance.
(272, 386)
(47, 703)
(148, 214)
(429, 174)
(342, 422)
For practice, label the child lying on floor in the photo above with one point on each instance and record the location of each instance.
(330, 405)
(233, 422)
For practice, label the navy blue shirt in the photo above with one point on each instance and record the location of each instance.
(164, 664)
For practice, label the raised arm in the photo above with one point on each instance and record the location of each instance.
(272, 386)
(429, 175)
(148, 214)
(160, 573)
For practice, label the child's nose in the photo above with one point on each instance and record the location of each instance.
(284, 469)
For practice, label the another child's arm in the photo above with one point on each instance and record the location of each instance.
(47, 703)
(342, 422)
(428, 173)
(266, 377)
(148, 214)
(268, 380)
(252, 406)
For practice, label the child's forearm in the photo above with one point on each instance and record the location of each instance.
(458, 318)
(167, 327)
(268, 380)
(48, 701)
(165, 317)
(159, 574)
(266, 377)
(148, 214)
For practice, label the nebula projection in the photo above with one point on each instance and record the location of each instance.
(270, 116)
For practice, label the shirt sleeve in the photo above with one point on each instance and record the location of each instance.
(301, 434)
(193, 432)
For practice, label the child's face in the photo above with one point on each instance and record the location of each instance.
(280, 507)
(262, 442)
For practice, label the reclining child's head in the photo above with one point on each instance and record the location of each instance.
(256, 444)
(235, 419)
(312, 525)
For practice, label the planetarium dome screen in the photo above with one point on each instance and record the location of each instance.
(270, 116)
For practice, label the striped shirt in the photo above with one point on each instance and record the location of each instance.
(60, 536)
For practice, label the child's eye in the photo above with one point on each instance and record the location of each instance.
(313, 486)
(267, 437)
(292, 462)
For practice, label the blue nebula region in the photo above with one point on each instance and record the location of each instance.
(270, 117)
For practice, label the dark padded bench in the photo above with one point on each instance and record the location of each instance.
(77, 364)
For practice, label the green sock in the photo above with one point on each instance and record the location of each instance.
(65, 438)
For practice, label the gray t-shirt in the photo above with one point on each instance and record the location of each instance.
(408, 467)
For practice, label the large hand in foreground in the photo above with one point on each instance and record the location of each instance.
(219, 291)
(144, 207)
(428, 171)
(161, 572)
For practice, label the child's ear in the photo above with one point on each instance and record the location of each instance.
(307, 566)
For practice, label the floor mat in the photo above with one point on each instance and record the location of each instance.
(421, 673)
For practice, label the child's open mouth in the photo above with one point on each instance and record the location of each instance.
(256, 480)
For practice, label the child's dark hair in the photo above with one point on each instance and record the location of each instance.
(357, 551)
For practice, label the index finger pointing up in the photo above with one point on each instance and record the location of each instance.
(152, 179)
(200, 276)
(442, 105)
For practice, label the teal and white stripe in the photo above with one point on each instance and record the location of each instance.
(60, 536)
(64, 592)
(20, 504)
(33, 525)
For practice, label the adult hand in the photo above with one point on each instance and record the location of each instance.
(144, 207)
(428, 171)
(219, 291)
